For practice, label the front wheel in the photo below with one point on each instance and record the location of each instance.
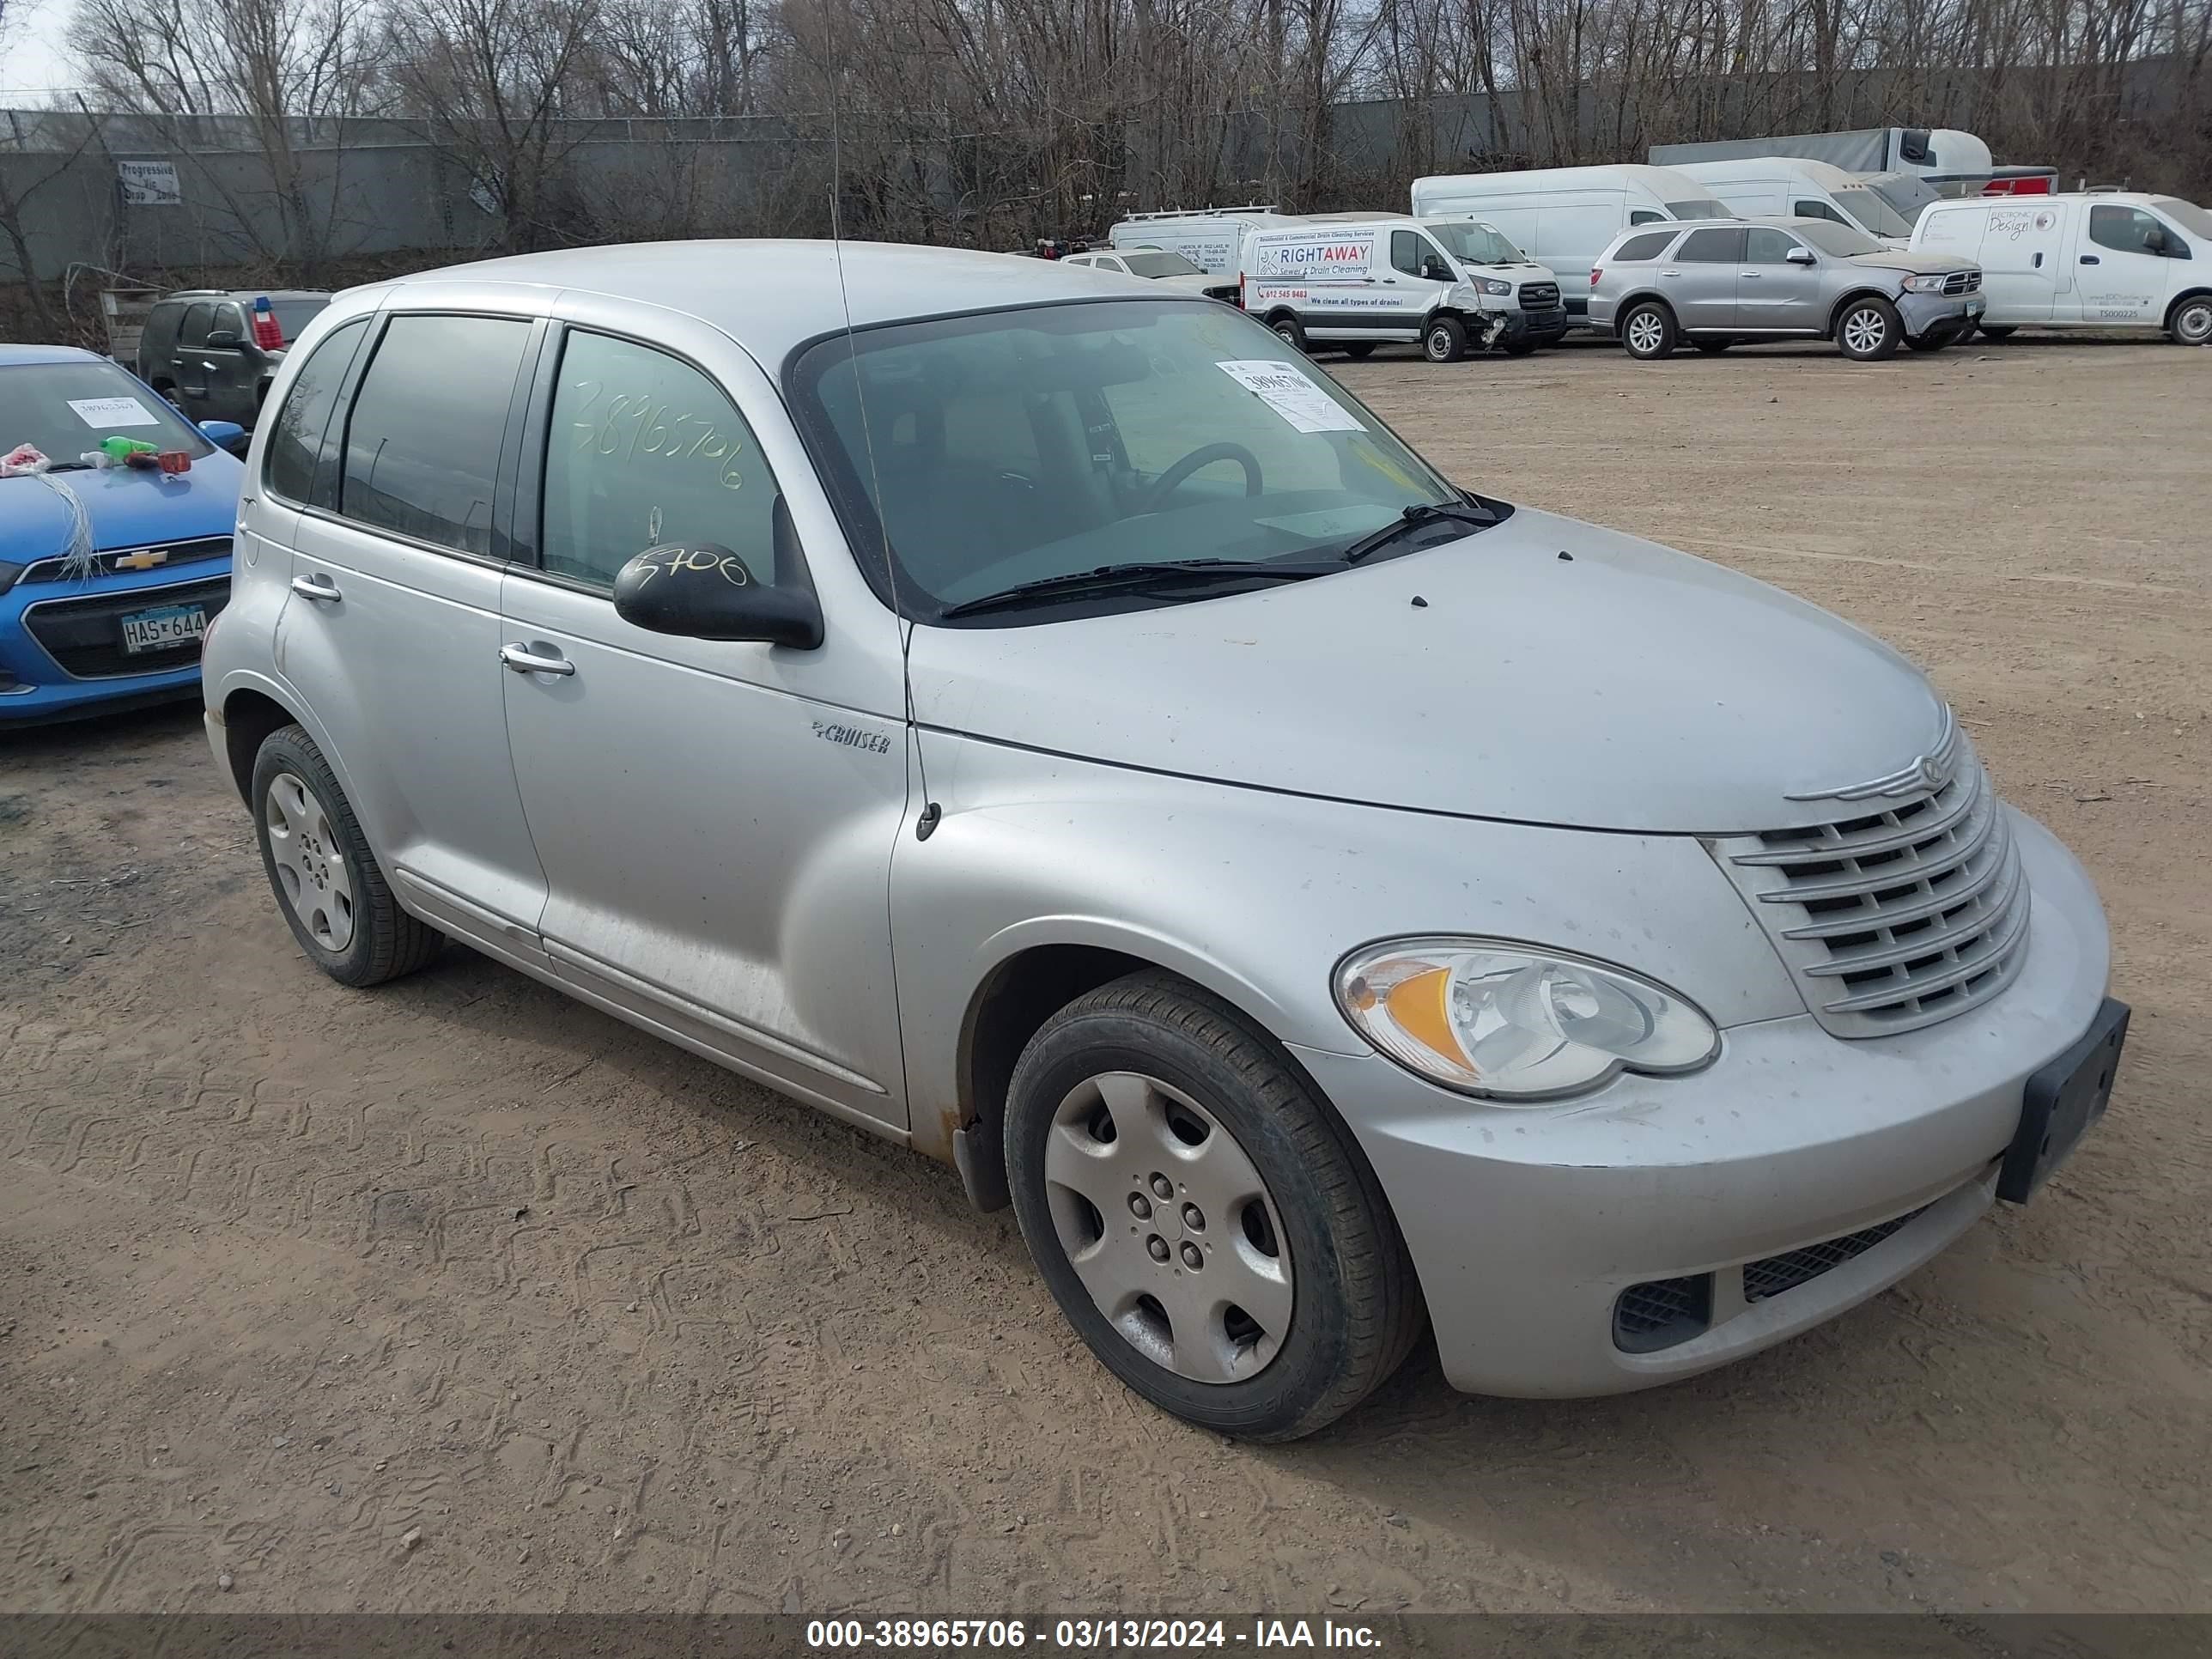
(1868, 330)
(2192, 324)
(1444, 341)
(327, 882)
(1289, 331)
(1202, 1217)
(1648, 333)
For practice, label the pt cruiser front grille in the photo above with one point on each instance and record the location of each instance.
(1904, 915)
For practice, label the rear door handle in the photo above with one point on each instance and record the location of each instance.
(523, 660)
(1747, 276)
(318, 587)
(2038, 261)
(2090, 260)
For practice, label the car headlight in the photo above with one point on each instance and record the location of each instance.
(1925, 284)
(1508, 1021)
(1492, 286)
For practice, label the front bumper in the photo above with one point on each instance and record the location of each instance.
(1538, 325)
(1939, 314)
(36, 687)
(1526, 1226)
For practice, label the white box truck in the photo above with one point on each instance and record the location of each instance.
(1356, 282)
(1566, 216)
(2096, 259)
(1934, 152)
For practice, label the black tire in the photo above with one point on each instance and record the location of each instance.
(1713, 348)
(384, 941)
(1869, 330)
(2190, 322)
(1356, 1308)
(1999, 331)
(1360, 349)
(1444, 340)
(1288, 329)
(1648, 333)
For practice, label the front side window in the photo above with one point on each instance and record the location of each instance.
(1638, 249)
(1766, 246)
(1712, 248)
(645, 451)
(1022, 445)
(423, 441)
(295, 437)
(2126, 229)
(229, 317)
(1411, 253)
(198, 321)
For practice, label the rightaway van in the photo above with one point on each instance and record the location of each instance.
(2093, 260)
(1789, 186)
(1566, 216)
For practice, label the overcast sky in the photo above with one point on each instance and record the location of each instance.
(31, 64)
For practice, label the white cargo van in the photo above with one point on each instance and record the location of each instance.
(2093, 260)
(1358, 282)
(1566, 216)
(1791, 188)
(1208, 237)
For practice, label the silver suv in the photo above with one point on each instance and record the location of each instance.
(1716, 286)
(1050, 724)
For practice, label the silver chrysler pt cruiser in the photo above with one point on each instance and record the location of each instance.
(1042, 720)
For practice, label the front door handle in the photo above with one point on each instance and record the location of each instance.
(523, 660)
(318, 587)
(2038, 261)
(1747, 276)
(2090, 260)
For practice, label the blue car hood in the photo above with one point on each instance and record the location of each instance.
(128, 507)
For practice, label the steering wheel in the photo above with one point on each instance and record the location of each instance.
(1172, 480)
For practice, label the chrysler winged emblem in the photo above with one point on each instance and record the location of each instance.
(1921, 775)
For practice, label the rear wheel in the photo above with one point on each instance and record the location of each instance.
(327, 882)
(1444, 340)
(1647, 331)
(1288, 329)
(1361, 349)
(2191, 322)
(1202, 1217)
(1868, 330)
(1997, 331)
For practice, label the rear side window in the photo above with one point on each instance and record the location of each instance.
(295, 437)
(1713, 246)
(645, 451)
(1637, 249)
(422, 444)
(230, 317)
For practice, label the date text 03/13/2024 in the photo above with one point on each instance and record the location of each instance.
(1081, 1635)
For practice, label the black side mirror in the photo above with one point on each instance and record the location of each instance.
(220, 337)
(1435, 271)
(702, 591)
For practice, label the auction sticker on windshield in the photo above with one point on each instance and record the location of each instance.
(114, 411)
(1291, 395)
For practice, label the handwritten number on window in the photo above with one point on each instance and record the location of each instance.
(632, 425)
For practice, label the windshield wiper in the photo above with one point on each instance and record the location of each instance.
(1153, 572)
(1413, 518)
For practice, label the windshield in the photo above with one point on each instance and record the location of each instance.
(1161, 265)
(1699, 210)
(293, 315)
(1871, 212)
(1906, 192)
(62, 409)
(993, 450)
(2189, 217)
(1842, 240)
(1474, 243)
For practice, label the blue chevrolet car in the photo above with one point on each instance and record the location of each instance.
(129, 632)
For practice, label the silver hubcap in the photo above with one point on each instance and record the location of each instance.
(1285, 332)
(1644, 332)
(1169, 1227)
(309, 864)
(1439, 344)
(1863, 330)
(2194, 325)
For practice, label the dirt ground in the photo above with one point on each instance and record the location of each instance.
(459, 1296)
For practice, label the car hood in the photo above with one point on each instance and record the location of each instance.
(128, 507)
(1542, 671)
(1904, 258)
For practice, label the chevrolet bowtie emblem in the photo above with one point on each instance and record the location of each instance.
(144, 560)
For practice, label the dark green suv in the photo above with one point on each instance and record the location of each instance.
(199, 352)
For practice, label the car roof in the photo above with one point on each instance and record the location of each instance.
(771, 297)
(190, 294)
(12, 356)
